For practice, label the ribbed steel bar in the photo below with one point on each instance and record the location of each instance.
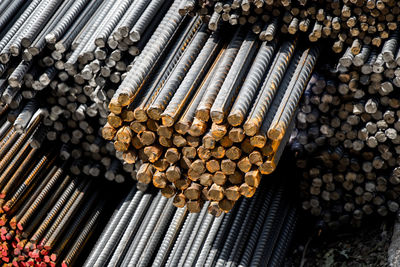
(116, 235)
(170, 237)
(219, 237)
(88, 48)
(131, 230)
(17, 145)
(8, 9)
(244, 231)
(49, 241)
(223, 256)
(252, 241)
(67, 20)
(199, 240)
(77, 26)
(24, 215)
(30, 27)
(182, 126)
(271, 163)
(292, 96)
(269, 88)
(77, 220)
(271, 228)
(169, 64)
(201, 260)
(144, 20)
(4, 5)
(191, 81)
(109, 229)
(89, 34)
(63, 191)
(115, 17)
(235, 76)
(84, 235)
(40, 22)
(178, 74)
(360, 59)
(142, 227)
(260, 139)
(31, 178)
(86, 42)
(183, 235)
(4, 129)
(14, 80)
(203, 109)
(36, 44)
(17, 159)
(157, 234)
(129, 19)
(284, 239)
(45, 231)
(18, 24)
(195, 230)
(25, 116)
(26, 164)
(157, 43)
(69, 191)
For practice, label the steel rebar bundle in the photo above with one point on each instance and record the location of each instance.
(71, 56)
(209, 128)
(42, 206)
(347, 23)
(347, 146)
(156, 233)
(165, 93)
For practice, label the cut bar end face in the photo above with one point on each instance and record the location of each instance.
(250, 128)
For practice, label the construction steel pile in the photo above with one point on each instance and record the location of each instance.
(63, 64)
(47, 215)
(350, 23)
(71, 56)
(213, 118)
(147, 230)
(165, 93)
(348, 139)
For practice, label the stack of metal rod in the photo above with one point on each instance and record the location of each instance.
(348, 145)
(46, 214)
(72, 55)
(147, 230)
(377, 69)
(348, 23)
(212, 116)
